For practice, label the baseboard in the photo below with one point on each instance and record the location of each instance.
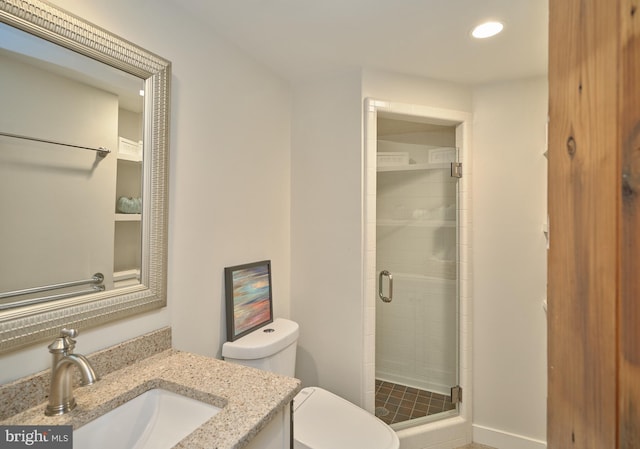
(504, 440)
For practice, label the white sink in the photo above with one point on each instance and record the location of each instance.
(157, 419)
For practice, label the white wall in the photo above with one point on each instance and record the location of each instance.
(229, 176)
(326, 238)
(509, 193)
(408, 89)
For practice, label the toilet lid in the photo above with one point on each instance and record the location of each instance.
(322, 420)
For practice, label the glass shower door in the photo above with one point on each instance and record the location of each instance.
(416, 260)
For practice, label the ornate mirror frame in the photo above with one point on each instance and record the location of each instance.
(26, 325)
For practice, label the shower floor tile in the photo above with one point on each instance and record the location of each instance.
(396, 403)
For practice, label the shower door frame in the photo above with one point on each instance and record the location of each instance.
(448, 429)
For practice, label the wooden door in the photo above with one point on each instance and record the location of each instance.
(594, 212)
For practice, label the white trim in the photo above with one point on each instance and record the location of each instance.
(504, 440)
(446, 434)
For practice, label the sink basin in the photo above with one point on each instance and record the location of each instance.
(156, 419)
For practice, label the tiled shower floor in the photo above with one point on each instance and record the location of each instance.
(397, 403)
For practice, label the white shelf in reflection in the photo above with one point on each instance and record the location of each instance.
(128, 217)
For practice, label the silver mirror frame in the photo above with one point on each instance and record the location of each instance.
(27, 325)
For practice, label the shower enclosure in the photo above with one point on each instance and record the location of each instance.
(416, 258)
(417, 272)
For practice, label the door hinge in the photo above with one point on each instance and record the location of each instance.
(456, 394)
(456, 169)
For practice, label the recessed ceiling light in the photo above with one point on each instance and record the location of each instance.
(487, 29)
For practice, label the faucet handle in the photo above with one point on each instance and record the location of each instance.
(72, 333)
(64, 343)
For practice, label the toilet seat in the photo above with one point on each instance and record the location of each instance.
(322, 420)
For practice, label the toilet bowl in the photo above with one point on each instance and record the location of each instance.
(322, 420)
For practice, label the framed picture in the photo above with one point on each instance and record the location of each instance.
(248, 298)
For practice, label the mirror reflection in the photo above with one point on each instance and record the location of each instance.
(71, 173)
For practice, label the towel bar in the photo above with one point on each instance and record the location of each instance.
(102, 152)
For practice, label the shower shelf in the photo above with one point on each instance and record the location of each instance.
(413, 167)
(128, 217)
(417, 223)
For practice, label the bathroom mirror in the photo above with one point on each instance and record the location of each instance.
(45, 144)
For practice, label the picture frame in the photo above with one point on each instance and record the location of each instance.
(248, 298)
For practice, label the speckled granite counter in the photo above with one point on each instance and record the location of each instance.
(249, 398)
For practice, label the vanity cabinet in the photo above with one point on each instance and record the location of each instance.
(278, 434)
(248, 399)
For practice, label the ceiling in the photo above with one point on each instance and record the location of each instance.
(430, 38)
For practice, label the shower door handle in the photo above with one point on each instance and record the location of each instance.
(380, 294)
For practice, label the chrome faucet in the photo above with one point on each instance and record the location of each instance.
(61, 398)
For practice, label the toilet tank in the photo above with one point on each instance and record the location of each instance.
(270, 348)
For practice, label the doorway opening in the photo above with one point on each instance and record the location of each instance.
(417, 263)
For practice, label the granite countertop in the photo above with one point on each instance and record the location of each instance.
(248, 397)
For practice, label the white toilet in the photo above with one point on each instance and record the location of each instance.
(322, 420)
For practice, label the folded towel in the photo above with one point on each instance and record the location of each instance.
(128, 205)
